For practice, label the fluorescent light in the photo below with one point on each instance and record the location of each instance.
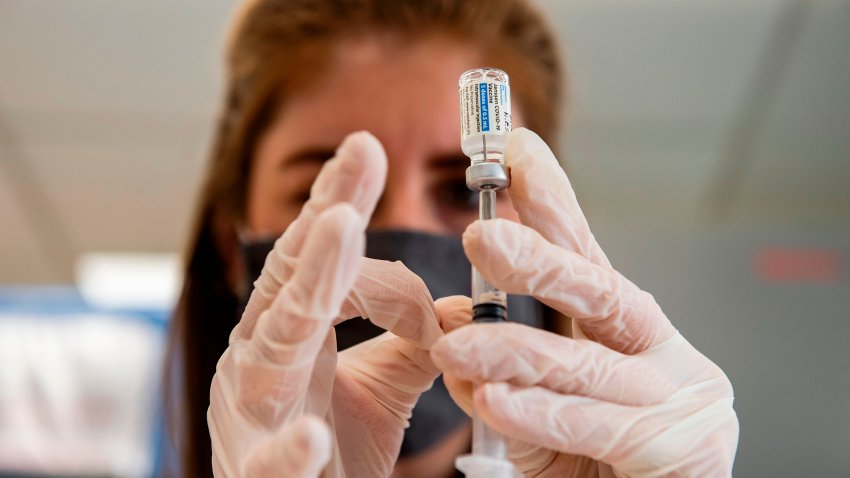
(129, 281)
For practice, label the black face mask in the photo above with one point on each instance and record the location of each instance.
(443, 266)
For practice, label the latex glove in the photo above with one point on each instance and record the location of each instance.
(282, 365)
(300, 449)
(639, 400)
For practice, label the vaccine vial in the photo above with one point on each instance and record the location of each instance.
(485, 113)
(485, 121)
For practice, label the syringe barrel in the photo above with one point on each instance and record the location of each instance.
(489, 457)
(489, 304)
(488, 442)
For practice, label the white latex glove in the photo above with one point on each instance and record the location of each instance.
(282, 365)
(299, 450)
(638, 400)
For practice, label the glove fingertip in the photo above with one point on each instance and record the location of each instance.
(361, 143)
(301, 449)
(471, 236)
(453, 312)
(518, 142)
(491, 395)
(314, 437)
(492, 402)
(483, 239)
(451, 353)
(440, 354)
(368, 151)
(364, 157)
(341, 220)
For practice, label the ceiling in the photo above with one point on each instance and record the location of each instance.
(681, 114)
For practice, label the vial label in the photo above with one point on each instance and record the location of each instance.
(485, 107)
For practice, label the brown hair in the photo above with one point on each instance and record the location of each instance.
(275, 47)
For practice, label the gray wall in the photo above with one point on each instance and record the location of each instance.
(783, 345)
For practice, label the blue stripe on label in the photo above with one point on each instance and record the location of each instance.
(485, 110)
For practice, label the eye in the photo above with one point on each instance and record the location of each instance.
(454, 194)
(296, 184)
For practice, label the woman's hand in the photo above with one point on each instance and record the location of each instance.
(636, 400)
(281, 372)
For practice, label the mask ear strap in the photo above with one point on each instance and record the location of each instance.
(239, 268)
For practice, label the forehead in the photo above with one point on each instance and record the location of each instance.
(403, 92)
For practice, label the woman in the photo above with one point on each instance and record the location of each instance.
(638, 400)
(302, 75)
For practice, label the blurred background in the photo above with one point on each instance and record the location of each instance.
(708, 141)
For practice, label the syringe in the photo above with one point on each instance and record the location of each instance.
(485, 116)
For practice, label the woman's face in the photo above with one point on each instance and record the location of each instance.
(404, 94)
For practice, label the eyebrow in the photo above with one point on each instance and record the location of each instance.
(309, 155)
(318, 155)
